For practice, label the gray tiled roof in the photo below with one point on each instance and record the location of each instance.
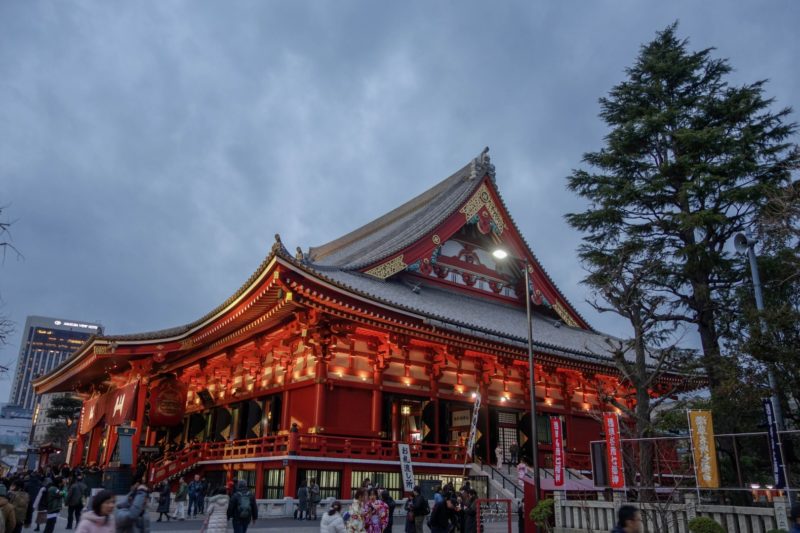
(395, 230)
(478, 316)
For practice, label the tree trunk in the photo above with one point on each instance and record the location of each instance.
(645, 446)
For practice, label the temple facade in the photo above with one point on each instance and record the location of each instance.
(326, 358)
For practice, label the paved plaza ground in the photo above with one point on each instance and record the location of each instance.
(194, 524)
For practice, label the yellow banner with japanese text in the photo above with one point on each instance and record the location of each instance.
(704, 449)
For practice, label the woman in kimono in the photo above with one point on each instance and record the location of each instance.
(377, 513)
(357, 516)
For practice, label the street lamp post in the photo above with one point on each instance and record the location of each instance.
(745, 243)
(502, 254)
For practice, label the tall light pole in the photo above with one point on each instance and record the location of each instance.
(745, 243)
(502, 254)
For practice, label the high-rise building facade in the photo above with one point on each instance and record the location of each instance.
(46, 343)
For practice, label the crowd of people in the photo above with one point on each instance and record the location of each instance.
(35, 499)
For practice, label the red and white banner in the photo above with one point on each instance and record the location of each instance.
(91, 414)
(616, 471)
(121, 404)
(557, 437)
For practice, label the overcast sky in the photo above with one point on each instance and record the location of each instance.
(149, 151)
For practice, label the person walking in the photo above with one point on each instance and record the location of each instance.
(420, 508)
(629, 520)
(302, 502)
(40, 503)
(75, 500)
(7, 512)
(194, 491)
(55, 499)
(498, 452)
(21, 501)
(242, 509)
(180, 500)
(470, 512)
(163, 501)
(332, 521)
(514, 451)
(131, 514)
(313, 499)
(100, 518)
(217, 512)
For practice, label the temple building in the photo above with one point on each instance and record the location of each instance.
(326, 358)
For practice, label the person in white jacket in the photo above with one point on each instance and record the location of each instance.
(217, 513)
(332, 521)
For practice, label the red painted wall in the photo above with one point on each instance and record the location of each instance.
(301, 407)
(584, 430)
(348, 411)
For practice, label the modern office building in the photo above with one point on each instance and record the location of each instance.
(46, 343)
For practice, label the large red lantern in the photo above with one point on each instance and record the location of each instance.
(167, 403)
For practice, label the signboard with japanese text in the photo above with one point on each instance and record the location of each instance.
(474, 425)
(557, 435)
(616, 471)
(776, 458)
(405, 467)
(704, 449)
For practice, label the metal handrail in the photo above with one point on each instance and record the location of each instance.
(506, 481)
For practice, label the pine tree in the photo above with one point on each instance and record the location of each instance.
(688, 162)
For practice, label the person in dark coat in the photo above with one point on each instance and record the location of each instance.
(471, 512)
(387, 499)
(795, 515)
(163, 501)
(32, 487)
(410, 527)
(440, 515)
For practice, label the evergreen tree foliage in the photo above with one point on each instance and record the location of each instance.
(688, 162)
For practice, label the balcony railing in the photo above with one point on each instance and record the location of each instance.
(306, 445)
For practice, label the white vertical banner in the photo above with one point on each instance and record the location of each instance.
(405, 467)
(474, 425)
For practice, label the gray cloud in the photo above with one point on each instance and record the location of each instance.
(149, 151)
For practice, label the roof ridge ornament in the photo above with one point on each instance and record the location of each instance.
(482, 165)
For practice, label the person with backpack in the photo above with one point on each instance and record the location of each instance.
(242, 509)
(55, 499)
(313, 499)
(420, 508)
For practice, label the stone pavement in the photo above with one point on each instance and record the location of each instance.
(194, 524)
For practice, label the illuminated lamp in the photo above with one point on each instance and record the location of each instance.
(405, 410)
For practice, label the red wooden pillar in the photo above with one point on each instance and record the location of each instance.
(377, 400)
(321, 373)
(487, 452)
(285, 419)
(94, 443)
(434, 386)
(290, 480)
(77, 449)
(347, 479)
(530, 491)
(259, 480)
(138, 423)
(108, 453)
